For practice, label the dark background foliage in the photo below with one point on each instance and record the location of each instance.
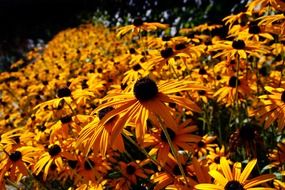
(29, 23)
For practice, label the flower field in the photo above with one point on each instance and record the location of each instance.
(134, 107)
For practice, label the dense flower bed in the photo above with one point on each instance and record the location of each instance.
(124, 108)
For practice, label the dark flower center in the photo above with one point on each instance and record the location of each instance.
(54, 150)
(233, 185)
(84, 84)
(201, 92)
(132, 50)
(143, 59)
(138, 22)
(217, 160)
(202, 71)
(246, 133)
(201, 144)
(99, 70)
(88, 164)
(137, 67)
(171, 134)
(145, 53)
(218, 77)
(191, 35)
(283, 96)
(234, 81)
(15, 156)
(66, 119)
(130, 169)
(41, 128)
(145, 89)
(63, 92)
(238, 44)
(7, 117)
(45, 82)
(166, 38)
(254, 29)
(38, 97)
(104, 111)
(180, 46)
(166, 53)
(72, 163)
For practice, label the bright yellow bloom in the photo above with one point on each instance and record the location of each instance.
(236, 179)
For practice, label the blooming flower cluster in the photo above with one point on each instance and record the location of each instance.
(124, 108)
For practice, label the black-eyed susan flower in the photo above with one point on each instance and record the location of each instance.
(271, 107)
(16, 163)
(136, 72)
(241, 18)
(207, 143)
(277, 155)
(214, 158)
(236, 90)
(92, 185)
(145, 98)
(54, 155)
(238, 48)
(256, 33)
(93, 167)
(262, 5)
(235, 178)
(182, 138)
(134, 170)
(171, 176)
(169, 54)
(139, 25)
(229, 66)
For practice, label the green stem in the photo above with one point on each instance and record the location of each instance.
(144, 152)
(236, 95)
(72, 110)
(174, 152)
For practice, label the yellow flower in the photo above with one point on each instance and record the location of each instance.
(16, 162)
(133, 170)
(139, 25)
(182, 138)
(145, 98)
(205, 144)
(54, 155)
(238, 48)
(272, 107)
(235, 179)
(235, 91)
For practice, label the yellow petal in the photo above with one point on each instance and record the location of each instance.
(245, 173)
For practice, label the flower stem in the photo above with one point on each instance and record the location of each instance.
(174, 152)
(153, 160)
